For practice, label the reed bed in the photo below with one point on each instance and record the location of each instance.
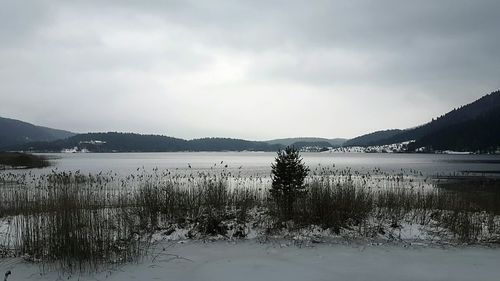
(76, 222)
(22, 160)
(69, 224)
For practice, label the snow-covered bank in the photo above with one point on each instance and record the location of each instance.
(389, 148)
(251, 260)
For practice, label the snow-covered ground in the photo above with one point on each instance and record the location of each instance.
(275, 260)
(456, 152)
(389, 148)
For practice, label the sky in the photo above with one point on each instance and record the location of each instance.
(244, 69)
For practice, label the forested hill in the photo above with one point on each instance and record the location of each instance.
(221, 144)
(456, 116)
(481, 134)
(129, 142)
(372, 138)
(474, 127)
(308, 141)
(14, 132)
(477, 113)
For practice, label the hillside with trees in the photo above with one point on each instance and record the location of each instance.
(130, 142)
(481, 134)
(372, 138)
(472, 127)
(14, 132)
(294, 141)
(465, 113)
(229, 144)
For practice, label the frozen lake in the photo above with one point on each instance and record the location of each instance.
(258, 163)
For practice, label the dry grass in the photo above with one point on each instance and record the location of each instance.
(76, 222)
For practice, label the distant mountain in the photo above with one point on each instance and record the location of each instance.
(129, 142)
(473, 127)
(14, 132)
(318, 144)
(481, 134)
(372, 138)
(470, 127)
(290, 141)
(465, 113)
(221, 144)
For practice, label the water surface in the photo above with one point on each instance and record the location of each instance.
(259, 163)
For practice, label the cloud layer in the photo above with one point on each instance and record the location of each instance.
(249, 69)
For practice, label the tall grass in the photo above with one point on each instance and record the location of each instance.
(207, 203)
(77, 222)
(333, 206)
(69, 224)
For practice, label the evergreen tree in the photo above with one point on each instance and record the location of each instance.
(288, 175)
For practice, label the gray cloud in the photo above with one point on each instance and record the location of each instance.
(252, 69)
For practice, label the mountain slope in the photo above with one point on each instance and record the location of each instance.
(14, 132)
(456, 116)
(370, 139)
(481, 134)
(109, 142)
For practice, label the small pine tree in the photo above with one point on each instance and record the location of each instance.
(288, 175)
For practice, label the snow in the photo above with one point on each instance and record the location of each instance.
(278, 260)
(457, 152)
(389, 148)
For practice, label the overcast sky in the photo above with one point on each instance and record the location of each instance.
(246, 69)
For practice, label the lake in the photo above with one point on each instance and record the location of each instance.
(259, 163)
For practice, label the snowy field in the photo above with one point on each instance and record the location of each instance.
(251, 260)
